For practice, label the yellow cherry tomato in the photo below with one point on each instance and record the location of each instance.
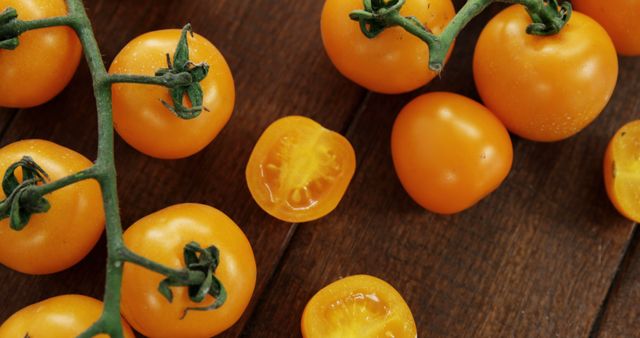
(161, 236)
(144, 122)
(299, 171)
(619, 18)
(449, 151)
(358, 306)
(544, 88)
(622, 170)
(44, 62)
(61, 237)
(394, 61)
(58, 317)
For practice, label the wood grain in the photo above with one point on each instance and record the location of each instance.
(621, 314)
(280, 69)
(534, 259)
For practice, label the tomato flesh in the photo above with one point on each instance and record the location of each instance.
(622, 170)
(358, 306)
(299, 170)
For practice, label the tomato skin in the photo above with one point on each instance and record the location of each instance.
(45, 60)
(57, 317)
(449, 151)
(298, 170)
(139, 116)
(367, 300)
(69, 230)
(161, 236)
(544, 88)
(619, 18)
(393, 62)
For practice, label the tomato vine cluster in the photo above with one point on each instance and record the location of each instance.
(542, 70)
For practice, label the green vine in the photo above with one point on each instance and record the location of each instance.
(548, 17)
(182, 78)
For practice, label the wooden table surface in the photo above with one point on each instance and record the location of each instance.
(546, 255)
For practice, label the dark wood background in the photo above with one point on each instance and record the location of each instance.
(546, 255)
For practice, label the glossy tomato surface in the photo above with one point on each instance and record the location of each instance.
(58, 317)
(44, 62)
(621, 168)
(449, 151)
(619, 18)
(138, 113)
(299, 171)
(544, 88)
(358, 306)
(394, 61)
(61, 237)
(161, 236)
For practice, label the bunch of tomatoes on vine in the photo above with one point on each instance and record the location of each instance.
(543, 69)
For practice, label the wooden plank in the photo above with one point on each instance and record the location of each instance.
(621, 313)
(536, 258)
(279, 68)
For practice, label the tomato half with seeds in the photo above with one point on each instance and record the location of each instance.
(299, 171)
(622, 170)
(394, 61)
(544, 88)
(144, 122)
(57, 317)
(619, 18)
(44, 62)
(161, 236)
(61, 237)
(358, 306)
(449, 151)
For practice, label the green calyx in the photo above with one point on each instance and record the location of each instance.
(198, 262)
(548, 16)
(22, 201)
(374, 19)
(8, 36)
(182, 65)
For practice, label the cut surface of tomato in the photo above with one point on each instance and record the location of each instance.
(622, 170)
(299, 170)
(358, 306)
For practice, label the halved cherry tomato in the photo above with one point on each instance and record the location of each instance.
(619, 18)
(358, 306)
(394, 61)
(544, 88)
(449, 151)
(61, 237)
(57, 317)
(44, 62)
(299, 171)
(144, 122)
(161, 236)
(622, 170)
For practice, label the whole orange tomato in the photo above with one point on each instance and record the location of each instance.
(619, 18)
(144, 122)
(621, 167)
(358, 306)
(544, 88)
(393, 62)
(299, 171)
(449, 151)
(61, 237)
(57, 317)
(161, 236)
(44, 62)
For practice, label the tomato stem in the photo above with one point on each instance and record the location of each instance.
(548, 17)
(182, 78)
